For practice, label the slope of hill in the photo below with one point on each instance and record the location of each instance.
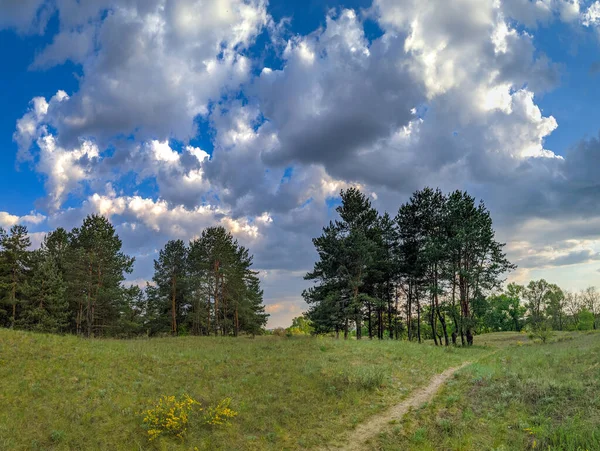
(68, 393)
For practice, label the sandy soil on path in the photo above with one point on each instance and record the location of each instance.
(357, 438)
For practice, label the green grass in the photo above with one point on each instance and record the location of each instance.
(65, 393)
(524, 396)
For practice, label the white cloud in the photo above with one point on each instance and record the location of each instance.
(447, 96)
(176, 221)
(592, 16)
(149, 66)
(8, 220)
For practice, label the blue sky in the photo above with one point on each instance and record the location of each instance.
(172, 115)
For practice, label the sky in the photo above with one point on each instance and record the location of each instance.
(169, 116)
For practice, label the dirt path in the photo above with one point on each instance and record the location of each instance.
(356, 440)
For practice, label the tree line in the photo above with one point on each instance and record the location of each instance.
(434, 271)
(541, 305)
(75, 283)
(424, 273)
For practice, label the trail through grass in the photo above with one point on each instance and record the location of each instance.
(358, 439)
(525, 396)
(65, 393)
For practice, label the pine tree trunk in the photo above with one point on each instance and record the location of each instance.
(98, 288)
(237, 321)
(396, 317)
(432, 323)
(79, 318)
(409, 311)
(370, 321)
(13, 294)
(357, 312)
(174, 305)
(208, 314)
(469, 336)
(444, 328)
(418, 317)
(216, 298)
(389, 295)
(346, 329)
(437, 308)
(223, 306)
(89, 302)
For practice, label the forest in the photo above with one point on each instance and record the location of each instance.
(75, 283)
(434, 271)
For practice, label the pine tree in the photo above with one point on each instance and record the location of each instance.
(170, 276)
(477, 258)
(14, 269)
(347, 253)
(226, 290)
(99, 269)
(47, 308)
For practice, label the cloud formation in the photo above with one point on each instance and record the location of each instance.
(445, 95)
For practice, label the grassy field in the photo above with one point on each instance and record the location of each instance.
(524, 396)
(65, 393)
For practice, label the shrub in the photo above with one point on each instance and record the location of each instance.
(220, 414)
(541, 332)
(279, 332)
(169, 416)
(586, 320)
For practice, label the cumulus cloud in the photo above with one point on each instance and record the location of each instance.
(591, 17)
(8, 220)
(149, 67)
(446, 96)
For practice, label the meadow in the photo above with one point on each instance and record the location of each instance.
(66, 393)
(523, 396)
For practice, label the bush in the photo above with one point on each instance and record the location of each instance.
(543, 333)
(279, 332)
(220, 414)
(169, 416)
(586, 320)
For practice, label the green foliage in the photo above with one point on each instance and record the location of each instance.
(75, 283)
(47, 309)
(439, 254)
(529, 397)
(171, 282)
(96, 270)
(93, 390)
(503, 312)
(542, 332)
(301, 325)
(14, 270)
(169, 416)
(586, 320)
(220, 414)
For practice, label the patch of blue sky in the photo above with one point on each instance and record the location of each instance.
(574, 101)
(18, 86)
